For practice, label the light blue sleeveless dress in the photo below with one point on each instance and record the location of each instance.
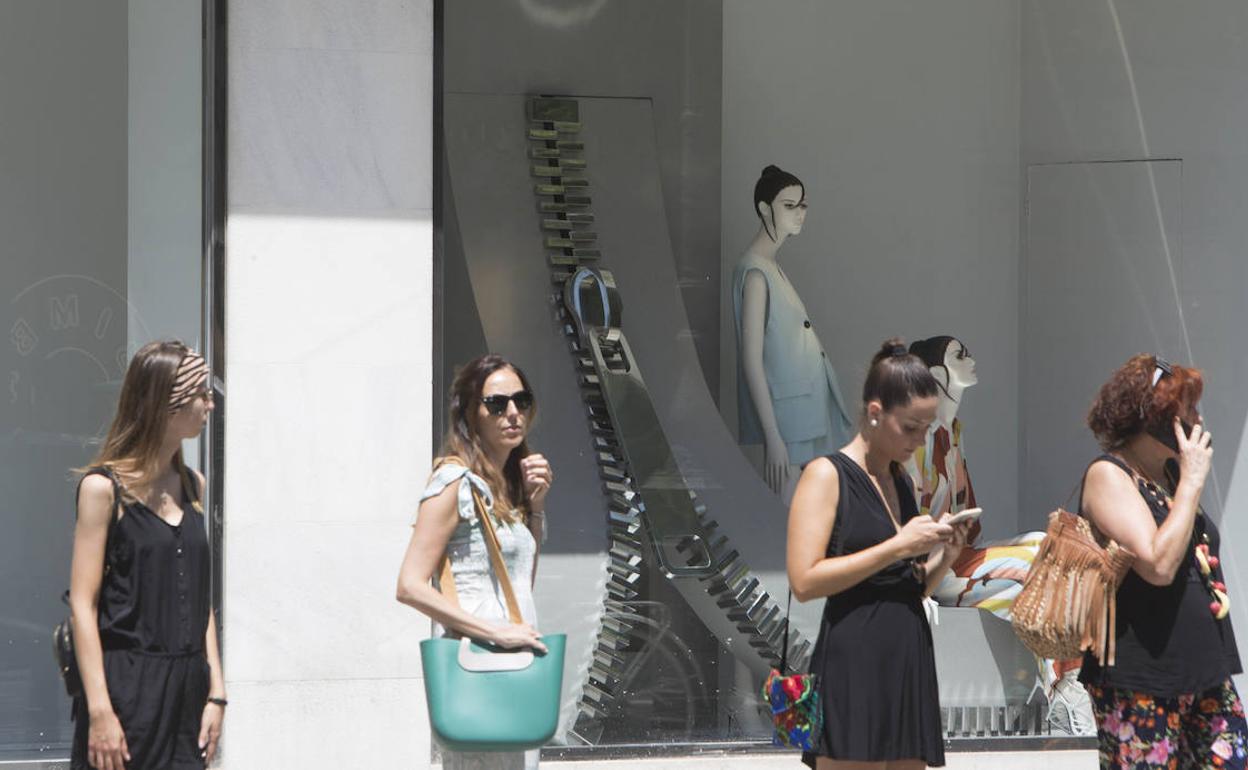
(479, 591)
(810, 412)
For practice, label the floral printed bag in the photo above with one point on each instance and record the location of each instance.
(796, 711)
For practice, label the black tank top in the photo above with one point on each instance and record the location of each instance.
(1169, 642)
(155, 595)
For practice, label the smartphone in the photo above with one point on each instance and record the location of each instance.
(1165, 434)
(970, 514)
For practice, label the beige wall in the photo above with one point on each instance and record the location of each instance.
(329, 265)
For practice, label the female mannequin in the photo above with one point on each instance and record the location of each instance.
(939, 468)
(990, 575)
(788, 398)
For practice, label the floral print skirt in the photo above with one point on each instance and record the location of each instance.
(1201, 731)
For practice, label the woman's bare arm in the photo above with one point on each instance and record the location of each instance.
(95, 511)
(1112, 501)
(435, 523)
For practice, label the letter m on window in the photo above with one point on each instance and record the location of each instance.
(64, 312)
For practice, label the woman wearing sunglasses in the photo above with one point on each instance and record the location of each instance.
(491, 411)
(1168, 700)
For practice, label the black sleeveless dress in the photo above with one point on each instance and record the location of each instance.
(873, 657)
(153, 615)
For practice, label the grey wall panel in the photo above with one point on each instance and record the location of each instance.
(1096, 277)
(1152, 79)
(666, 50)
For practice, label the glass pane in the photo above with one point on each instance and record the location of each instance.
(100, 149)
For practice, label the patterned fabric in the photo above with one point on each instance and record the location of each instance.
(988, 577)
(939, 472)
(1202, 731)
(191, 374)
(795, 712)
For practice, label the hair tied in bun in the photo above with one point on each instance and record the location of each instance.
(898, 351)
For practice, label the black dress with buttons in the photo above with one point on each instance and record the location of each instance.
(153, 616)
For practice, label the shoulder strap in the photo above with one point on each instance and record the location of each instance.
(190, 490)
(496, 557)
(446, 579)
(106, 472)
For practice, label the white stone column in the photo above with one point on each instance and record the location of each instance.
(329, 349)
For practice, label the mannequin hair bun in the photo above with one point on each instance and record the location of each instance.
(770, 169)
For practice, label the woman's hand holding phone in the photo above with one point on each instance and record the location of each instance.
(1195, 453)
(970, 514)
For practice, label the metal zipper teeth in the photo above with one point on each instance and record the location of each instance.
(572, 246)
(741, 596)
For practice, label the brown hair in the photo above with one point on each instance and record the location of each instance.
(896, 376)
(1129, 403)
(133, 443)
(462, 444)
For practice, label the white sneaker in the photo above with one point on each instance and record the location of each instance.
(1070, 708)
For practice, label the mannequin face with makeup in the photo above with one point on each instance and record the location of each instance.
(959, 365)
(787, 213)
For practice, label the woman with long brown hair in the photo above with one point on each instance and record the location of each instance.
(144, 633)
(484, 454)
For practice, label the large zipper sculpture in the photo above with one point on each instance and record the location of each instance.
(650, 506)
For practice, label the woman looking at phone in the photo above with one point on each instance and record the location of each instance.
(1169, 694)
(857, 539)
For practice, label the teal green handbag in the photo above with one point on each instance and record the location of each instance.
(474, 708)
(482, 698)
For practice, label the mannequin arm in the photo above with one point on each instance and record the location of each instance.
(753, 331)
(753, 325)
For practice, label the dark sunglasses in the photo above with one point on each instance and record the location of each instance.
(496, 404)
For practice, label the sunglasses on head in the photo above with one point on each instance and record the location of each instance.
(496, 404)
(1161, 367)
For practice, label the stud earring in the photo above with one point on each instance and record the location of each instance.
(874, 422)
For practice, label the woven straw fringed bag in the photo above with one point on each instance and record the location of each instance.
(1068, 603)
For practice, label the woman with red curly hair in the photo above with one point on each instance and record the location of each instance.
(1168, 701)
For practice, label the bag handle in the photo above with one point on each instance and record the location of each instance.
(446, 581)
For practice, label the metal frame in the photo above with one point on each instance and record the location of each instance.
(212, 325)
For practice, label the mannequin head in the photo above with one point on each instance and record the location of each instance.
(780, 203)
(950, 362)
(899, 400)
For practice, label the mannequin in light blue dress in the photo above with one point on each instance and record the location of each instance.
(788, 397)
(491, 409)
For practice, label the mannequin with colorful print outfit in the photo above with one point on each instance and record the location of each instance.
(986, 576)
